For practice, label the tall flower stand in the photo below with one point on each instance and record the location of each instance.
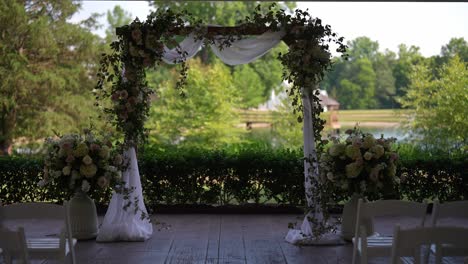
(83, 216)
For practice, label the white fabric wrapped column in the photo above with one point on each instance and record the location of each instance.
(304, 235)
(126, 225)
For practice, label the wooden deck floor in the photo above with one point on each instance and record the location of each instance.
(223, 238)
(203, 238)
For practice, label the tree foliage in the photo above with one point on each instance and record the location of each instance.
(117, 18)
(46, 69)
(205, 117)
(370, 78)
(438, 105)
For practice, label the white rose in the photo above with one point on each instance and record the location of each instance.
(66, 170)
(87, 160)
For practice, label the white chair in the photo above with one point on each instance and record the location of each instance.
(454, 214)
(368, 245)
(13, 245)
(408, 242)
(58, 247)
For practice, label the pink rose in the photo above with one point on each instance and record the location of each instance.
(132, 100)
(103, 182)
(136, 35)
(67, 145)
(129, 107)
(148, 62)
(70, 159)
(115, 96)
(95, 147)
(123, 94)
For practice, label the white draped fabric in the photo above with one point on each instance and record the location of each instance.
(304, 235)
(189, 45)
(126, 225)
(247, 50)
(242, 51)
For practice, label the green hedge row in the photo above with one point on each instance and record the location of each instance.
(219, 177)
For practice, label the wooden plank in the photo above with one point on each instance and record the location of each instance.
(231, 243)
(190, 240)
(212, 250)
(187, 251)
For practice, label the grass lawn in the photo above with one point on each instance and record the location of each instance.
(393, 116)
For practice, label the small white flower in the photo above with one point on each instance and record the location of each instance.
(66, 170)
(111, 168)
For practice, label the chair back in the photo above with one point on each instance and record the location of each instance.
(456, 209)
(32, 210)
(415, 237)
(369, 210)
(13, 245)
(44, 211)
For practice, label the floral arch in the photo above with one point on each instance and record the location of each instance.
(142, 45)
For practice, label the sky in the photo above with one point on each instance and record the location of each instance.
(428, 26)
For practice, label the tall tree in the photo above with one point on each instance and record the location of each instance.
(117, 18)
(46, 69)
(385, 82)
(456, 47)
(365, 80)
(363, 47)
(407, 58)
(438, 105)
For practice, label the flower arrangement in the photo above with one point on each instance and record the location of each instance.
(81, 163)
(361, 164)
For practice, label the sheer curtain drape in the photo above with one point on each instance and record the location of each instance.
(125, 225)
(304, 235)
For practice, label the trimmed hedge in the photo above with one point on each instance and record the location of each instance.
(196, 176)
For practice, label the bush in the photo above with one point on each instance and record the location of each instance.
(236, 176)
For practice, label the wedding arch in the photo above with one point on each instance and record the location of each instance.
(141, 45)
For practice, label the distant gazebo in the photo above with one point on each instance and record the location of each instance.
(330, 105)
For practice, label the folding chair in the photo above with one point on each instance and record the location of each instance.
(408, 242)
(375, 245)
(454, 214)
(13, 245)
(44, 247)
